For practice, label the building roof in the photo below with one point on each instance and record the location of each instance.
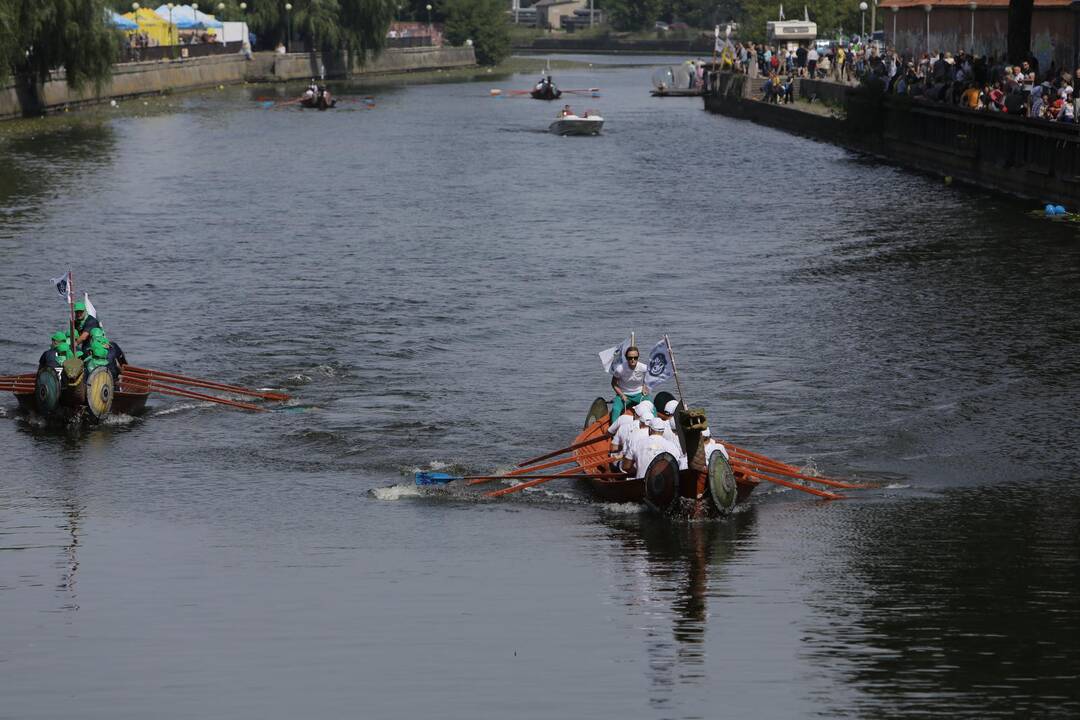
(549, 3)
(986, 4)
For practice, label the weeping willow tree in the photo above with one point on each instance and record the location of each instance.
(45, 35)
(355, 26)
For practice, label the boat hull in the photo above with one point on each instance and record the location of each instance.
(547, 94)
(694, 501)
(577, 126)
(128, 399)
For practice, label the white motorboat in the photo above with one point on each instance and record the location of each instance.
(577, 125)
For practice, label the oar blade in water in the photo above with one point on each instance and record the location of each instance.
(434, 478)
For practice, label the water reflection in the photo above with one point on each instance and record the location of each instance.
(49, 162)
(671, 568)
(979, 620)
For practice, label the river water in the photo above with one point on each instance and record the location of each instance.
(431, 277)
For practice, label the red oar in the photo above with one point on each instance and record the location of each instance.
(573, 473)
(148, 374)
(569, 448)
(738, 461)
(794, 486)
(192, 395)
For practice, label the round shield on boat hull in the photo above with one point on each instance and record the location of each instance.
(47, 391)
(662, 481)
(722, 487)
(597, 410)
(99, 392)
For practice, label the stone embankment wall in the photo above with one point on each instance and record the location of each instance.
(143, 78)
(1018, 156)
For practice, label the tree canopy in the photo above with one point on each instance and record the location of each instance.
(41, 36)
(485, 22)
(833, 17)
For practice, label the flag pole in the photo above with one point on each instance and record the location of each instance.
(674, 370)
(71, 309)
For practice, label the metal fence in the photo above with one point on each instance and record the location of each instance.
(171, 52)
(411, 41)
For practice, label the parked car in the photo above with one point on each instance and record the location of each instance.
(661, 26)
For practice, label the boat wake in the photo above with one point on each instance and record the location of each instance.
(182, 407)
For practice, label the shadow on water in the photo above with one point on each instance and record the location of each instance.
(47, 160)
(978, 620)
(678, 562)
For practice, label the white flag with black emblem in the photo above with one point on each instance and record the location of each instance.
(660, 367)
(614, 357)
(63, 286)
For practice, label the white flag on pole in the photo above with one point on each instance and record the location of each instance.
(781, 12)
(660, 367)
(63, 286)
(90, 309)
(614, 357)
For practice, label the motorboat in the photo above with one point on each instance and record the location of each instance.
(587, 124)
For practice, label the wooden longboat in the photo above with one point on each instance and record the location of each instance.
(703, 490)
(128, 397)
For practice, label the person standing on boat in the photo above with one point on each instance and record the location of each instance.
(628, 382)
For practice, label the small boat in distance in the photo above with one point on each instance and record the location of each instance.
(570, 124)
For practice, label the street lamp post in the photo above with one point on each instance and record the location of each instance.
(288, 26)
(929, 8)
(429, 18)
(895, 12)
(972, 5)
(173, 39)
(1075, 7)
(862, 13)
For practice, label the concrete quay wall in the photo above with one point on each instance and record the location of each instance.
(153, 77)
(1026, 158)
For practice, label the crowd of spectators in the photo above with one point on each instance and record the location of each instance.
(978, 83)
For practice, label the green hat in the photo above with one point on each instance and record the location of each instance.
(97, 332)
(99, 351)
(80, 306)
(59, 336)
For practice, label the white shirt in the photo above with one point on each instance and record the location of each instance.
(712, 446)
(647, 450)
(631, 381)
(812, 56)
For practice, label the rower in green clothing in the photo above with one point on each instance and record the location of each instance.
(628, 382)
(99, 357)
(84, 323)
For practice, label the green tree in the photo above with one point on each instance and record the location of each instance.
(318, 22)
(482, 21)
(631, 15)
(364, 24)
(39, 37)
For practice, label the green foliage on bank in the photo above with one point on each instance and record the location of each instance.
(833, 17)
(355, 26)
(39, 36)
(482, 21)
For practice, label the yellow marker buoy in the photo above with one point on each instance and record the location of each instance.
(948, 179)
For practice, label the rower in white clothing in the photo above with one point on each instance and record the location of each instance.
(712, 445)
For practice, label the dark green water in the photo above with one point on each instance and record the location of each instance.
(431, 279)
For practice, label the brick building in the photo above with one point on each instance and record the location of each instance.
(919, 26)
